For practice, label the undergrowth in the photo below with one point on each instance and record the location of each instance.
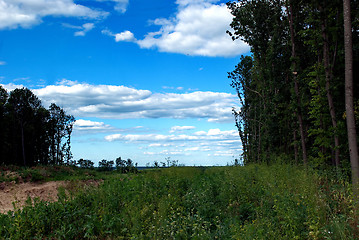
(48, 173)
(252, 202)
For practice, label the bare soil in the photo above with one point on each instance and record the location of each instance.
(10, 192)
(19, 192)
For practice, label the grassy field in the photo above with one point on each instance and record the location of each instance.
(251, 202)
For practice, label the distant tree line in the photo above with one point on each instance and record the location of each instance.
(121, 165)
(31, 134)
(167, 163)
(292, 86)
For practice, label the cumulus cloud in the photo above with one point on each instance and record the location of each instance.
(125, 36)
(120, 102)
(198, 29)
(25, 13)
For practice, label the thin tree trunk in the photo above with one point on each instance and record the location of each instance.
(296, 85)
(328, 77)
(349, 102)
(23, 144)
(295, 146)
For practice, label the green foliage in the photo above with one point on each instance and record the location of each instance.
(30, 134)
(252, 202)
(85, 163)
(105, 165)
(291, 87)
(124, 166)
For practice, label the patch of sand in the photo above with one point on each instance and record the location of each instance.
(10, 192)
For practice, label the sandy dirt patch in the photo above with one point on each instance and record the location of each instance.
(10, 192)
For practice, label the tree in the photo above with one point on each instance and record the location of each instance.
(291, 81)
(105, 165)
(349, 99)
(31, 134)
(3, 125)
(85, 163)
(60, 129)
(292, 16)
(23, 105)
(266, 87)
(120, 165)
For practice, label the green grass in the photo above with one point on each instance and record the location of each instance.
(253, 202)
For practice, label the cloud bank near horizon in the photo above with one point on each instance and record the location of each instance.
(121, 102)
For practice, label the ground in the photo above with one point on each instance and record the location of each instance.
(17, 189)
(19, 192)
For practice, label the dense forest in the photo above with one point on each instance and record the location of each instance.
(292, 85)
(31, 134)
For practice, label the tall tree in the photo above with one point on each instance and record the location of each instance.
(60, 129)
(349, 99)
(3, 125)
(262, 24)
(24, 105)
(294, 67)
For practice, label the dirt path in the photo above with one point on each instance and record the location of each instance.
(10, 192)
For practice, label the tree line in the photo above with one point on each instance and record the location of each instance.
(292, 86)
(30, 134)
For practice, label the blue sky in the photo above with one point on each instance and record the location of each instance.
(145, 80)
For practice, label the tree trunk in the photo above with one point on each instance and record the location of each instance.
(349, 102)
(296, 85)
(328, 77)
(295, 146)
(23, 144)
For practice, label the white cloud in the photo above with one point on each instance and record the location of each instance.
(2, 63)
(66, 82)
(159, 145)
(84, 29)
(177, 88)
(211, 135)
(26, 13)
(181, 128)
(155, 145)
(120, 102)
(120, 5)
(9, 87)
(213, 142)
(125, 36)
(87, 125)
(198, 29)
